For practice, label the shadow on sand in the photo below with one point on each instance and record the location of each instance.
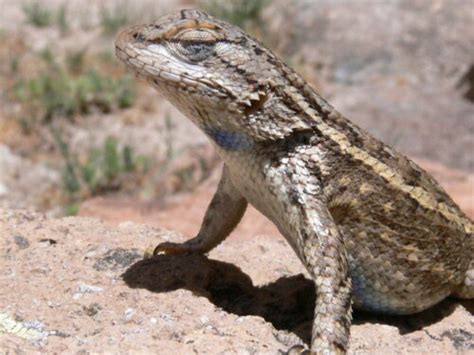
(287, 303)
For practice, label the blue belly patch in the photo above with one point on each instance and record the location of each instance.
(230, 140)
(367, 298)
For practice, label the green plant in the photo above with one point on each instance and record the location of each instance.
(72, 209)
(36, 14)
(41, 16)
(47, 56)
(112, 165)
(14, 64)
(61, 19)
(114, 17)
(70, 179)
(120, 13)
(68, 90)
(105, 169)
(129, 163)
(75, 61)
(242, 13)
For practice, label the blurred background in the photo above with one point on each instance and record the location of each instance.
(79, 135)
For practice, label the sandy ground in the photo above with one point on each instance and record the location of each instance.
(77, 285)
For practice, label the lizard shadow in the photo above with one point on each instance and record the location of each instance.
(287, 303)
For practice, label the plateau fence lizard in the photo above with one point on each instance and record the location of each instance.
(371, 227)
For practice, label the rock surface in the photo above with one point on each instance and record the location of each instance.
(80, 285)
(396, 68)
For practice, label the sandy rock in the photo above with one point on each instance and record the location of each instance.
(84, 286)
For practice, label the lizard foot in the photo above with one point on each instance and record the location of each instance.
(466, 289)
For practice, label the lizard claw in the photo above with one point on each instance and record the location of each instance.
(166, 248)
(298, 350)
(169, 248)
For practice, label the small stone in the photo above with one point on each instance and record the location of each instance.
(129, 312)
(47, 242)
(34, 324)
(92, 309)
(21, 241)
(167, 317)
(117, 258)
(89, 289)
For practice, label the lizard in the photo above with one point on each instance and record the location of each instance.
(373, 229)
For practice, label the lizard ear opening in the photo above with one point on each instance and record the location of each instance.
(256, 103)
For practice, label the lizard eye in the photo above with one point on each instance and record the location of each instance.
(194, 45)
(196, 51)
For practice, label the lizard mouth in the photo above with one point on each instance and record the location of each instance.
(124, 40)
(120, 54)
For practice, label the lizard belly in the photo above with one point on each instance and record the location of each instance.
(373, 292)
(400, 269)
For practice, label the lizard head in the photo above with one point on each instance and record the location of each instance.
(212, 71)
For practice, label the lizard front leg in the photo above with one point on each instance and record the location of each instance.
(315, 237)
(325, 258)
(321, 249)
(223, 214)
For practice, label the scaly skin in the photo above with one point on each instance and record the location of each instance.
(370, 225)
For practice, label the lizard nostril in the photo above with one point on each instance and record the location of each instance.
(138, 36)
